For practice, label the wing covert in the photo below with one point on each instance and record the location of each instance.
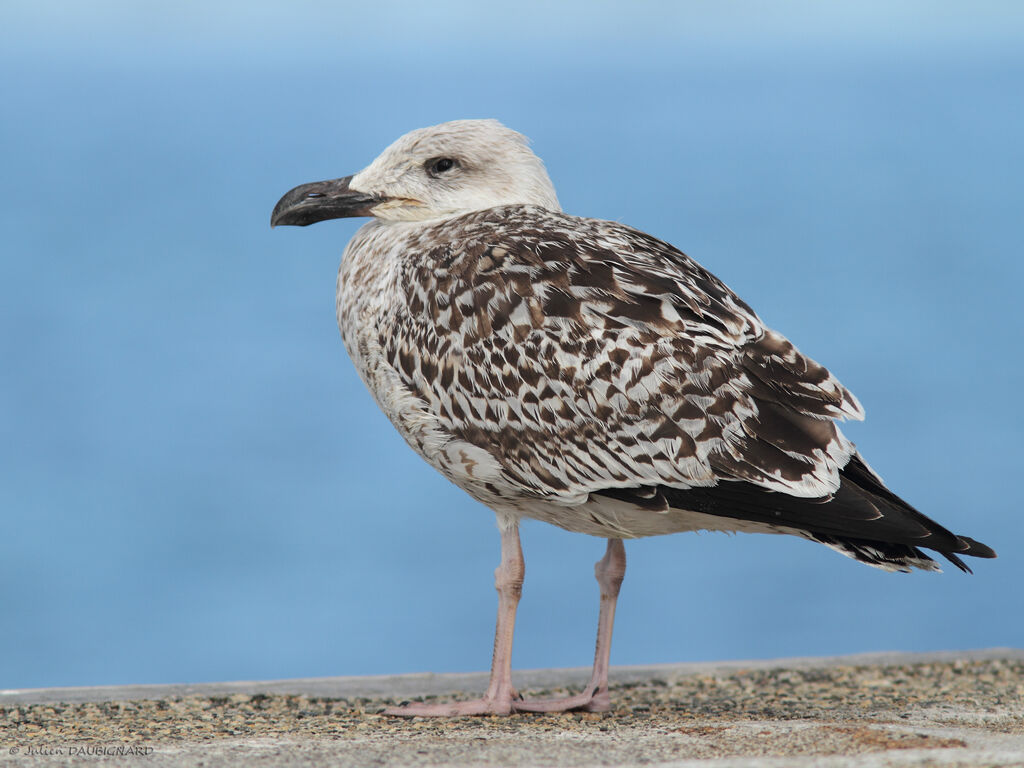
(586, 355)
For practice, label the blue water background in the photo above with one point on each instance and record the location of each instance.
(194, 484)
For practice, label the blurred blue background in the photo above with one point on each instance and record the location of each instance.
(194, 484)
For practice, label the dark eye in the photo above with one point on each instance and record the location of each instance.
(440, 165)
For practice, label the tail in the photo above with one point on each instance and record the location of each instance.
(863, 519)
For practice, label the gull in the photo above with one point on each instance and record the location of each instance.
(586, 374)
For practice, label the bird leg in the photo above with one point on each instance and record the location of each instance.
(498, 700)
(609, 571)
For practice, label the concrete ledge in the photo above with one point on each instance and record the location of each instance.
(879, 709)
(431, 684)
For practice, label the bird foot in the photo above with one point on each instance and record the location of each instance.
(482, 706)
(590, 700)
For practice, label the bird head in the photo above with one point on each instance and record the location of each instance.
(431, 173)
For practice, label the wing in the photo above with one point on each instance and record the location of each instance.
(863, 519)
(584, 355)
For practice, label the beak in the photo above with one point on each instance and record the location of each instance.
(322, 200)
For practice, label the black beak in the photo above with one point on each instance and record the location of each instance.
(322, 200)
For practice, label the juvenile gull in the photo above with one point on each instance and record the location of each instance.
(584, 373)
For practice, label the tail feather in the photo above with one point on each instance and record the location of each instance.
(880, 554)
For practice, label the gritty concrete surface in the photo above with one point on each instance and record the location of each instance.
(945, 709)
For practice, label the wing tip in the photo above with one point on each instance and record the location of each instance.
(975, 548)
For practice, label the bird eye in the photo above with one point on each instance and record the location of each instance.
(440, 165)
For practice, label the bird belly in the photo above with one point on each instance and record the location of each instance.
(616, 519)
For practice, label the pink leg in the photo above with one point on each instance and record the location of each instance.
(508, 578)
(610, 571)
